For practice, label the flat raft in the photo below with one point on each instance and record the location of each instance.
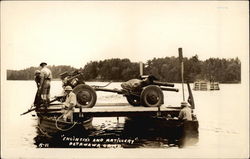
(48, 122)
(115, 110)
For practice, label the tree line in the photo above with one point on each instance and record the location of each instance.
(165, 69)
(28, 73)
(213, 69)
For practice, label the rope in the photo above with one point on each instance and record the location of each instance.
(62, 128)
(44, 133)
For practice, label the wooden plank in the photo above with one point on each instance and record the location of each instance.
(120, 108)
(58, 106)
(126, 111)
(129, 114)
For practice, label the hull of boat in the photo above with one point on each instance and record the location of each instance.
(51, 125)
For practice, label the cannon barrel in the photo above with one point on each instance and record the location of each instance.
(169, 89)
(74, 76)
(163, 84)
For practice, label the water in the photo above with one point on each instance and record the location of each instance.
(222, 115)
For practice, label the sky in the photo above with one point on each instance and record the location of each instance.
(74, 33)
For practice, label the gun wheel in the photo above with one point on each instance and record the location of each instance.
(133, 100)
(151, 96)
(85, 96)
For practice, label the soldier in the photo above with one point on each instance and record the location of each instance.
(44, 88)
(185, 116)
(69, 104)
(37, 78)
(185, 113)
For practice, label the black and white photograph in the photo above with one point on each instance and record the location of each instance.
(124, 79)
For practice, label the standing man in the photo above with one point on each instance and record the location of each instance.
(185, 113)
(69, 104)
(44, 88)
(37, 78)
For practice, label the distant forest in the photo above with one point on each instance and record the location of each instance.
(165, 69)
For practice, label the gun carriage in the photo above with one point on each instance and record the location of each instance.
(144, 91)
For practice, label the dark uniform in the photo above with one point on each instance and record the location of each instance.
(44, 88)
(37, 78)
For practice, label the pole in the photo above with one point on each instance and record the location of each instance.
(141, 68)
(182, 71)
(182, 79)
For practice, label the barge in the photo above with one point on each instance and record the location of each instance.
(206, 85)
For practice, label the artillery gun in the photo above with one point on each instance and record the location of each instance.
(72, 79)
(85, 94)
(144, 91)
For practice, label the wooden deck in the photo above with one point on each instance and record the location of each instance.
(127, 111)
(118, 109)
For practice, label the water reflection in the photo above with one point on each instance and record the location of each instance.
(134, 133)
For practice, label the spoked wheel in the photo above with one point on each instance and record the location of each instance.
(85, 95)
(152, 96)
(133, 100)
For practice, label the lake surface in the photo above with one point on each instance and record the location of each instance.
(222, 116)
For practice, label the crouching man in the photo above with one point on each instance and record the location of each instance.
(69, 104)
(189, 129)
(185, 113)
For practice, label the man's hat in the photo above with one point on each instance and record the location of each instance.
(43, 63)
(68, 88)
